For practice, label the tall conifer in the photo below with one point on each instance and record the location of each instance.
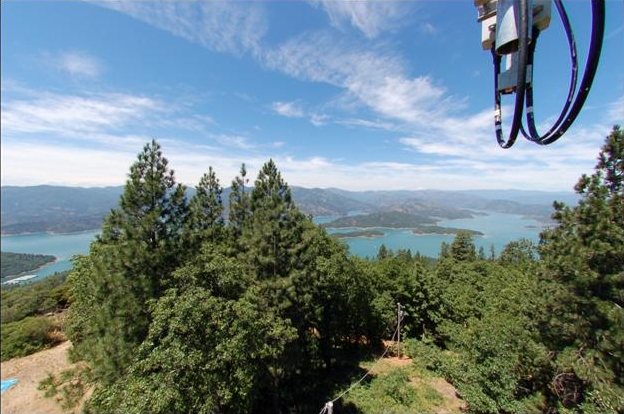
(128, 265)
(205, 219)
(585, 254)
(275, 225)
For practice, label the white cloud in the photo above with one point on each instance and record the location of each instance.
(79, 64)
(220, 26)
(366, 123)
(72, 114)
(369, 74)
(288, 109)
(427, 28)
(235, 141)
(318, 119)
(371, 18)
(376, 79)
(36, 163)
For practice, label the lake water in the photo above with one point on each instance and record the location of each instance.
(63, 246)
(499, 229)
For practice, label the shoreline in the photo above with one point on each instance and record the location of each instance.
(31, 272)
(49, 233)
(416, 231)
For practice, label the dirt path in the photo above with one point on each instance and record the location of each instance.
(24, 397)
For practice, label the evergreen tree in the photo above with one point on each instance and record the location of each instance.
(383, 252)
(274, 229)
(518, 251)
(585, 254)
(203, 354)
(205, 219)
(239, 203)
(445, 251)
(128, 265)
(463, 248)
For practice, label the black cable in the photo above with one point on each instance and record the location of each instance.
(525, 59)
(567, 118)
(591, 66)
(516, 124)
(533, 135)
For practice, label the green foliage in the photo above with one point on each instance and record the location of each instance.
(48, 295)
(16, 263)
(239, 203)
(205, 218)
(68, 387)
(492, 316)
(24, 329)
(177, 310)
(129, 265)
(585, 255)
(519, 251)
(203, 354)
(463, 248)
(274, 226)
(28, 335)
(394, 392)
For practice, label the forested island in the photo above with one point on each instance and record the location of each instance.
(175, 309)
(370, 233)
(419, 224)
(16, 263)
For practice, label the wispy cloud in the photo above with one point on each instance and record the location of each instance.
(288, 109)
(368, 74)
(72, 114)
(230, 27)
(371, 18)
(102, 120)
(374, 78)
(79, 64)
(318, 120)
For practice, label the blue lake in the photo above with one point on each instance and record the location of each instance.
(499, 229)
(63, 246)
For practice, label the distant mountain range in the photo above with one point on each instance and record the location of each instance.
(70, 209)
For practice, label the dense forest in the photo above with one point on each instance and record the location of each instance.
(16, 263)
(176, 309)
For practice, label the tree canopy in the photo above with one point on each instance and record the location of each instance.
(180, 307)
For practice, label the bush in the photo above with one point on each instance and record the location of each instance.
(28, 335)
(48, 295)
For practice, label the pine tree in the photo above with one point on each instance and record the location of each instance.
(205, 219)
(274, 228)
(463, 248)
(128, 265)
(239, 203)
(585, 254)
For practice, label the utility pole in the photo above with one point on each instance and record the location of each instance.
(399, 315)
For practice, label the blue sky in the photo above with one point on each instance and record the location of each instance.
(348, 94)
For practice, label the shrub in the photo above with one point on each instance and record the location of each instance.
(28, 335)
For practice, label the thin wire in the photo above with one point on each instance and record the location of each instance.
(369, 371)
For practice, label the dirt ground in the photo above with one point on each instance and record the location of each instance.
(24, 397)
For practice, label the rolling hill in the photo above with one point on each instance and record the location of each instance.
(71, 209)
